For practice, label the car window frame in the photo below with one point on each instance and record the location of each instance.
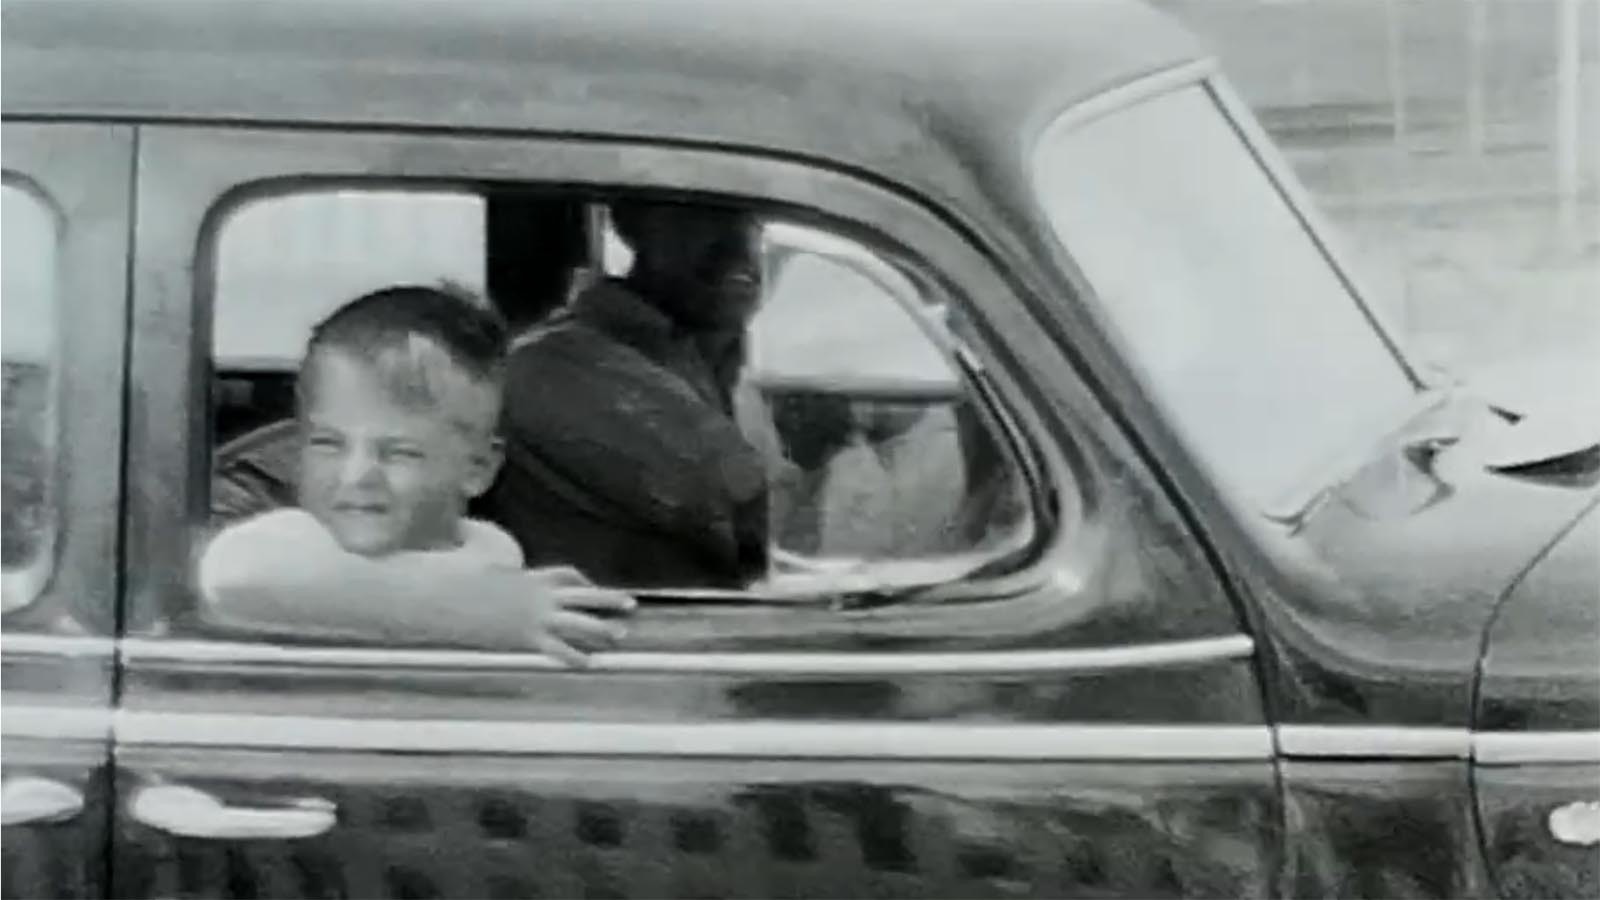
(194, 170)
(83, 173)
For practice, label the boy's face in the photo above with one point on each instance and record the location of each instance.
(380, 475)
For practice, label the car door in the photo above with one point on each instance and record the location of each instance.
(1084, 721)
(66, 194)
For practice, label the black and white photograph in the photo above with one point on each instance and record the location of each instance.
(632, 449)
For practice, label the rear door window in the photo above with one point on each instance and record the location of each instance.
(28, 357)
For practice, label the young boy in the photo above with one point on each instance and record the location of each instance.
(399, 399)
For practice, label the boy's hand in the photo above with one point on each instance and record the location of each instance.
(563, 624)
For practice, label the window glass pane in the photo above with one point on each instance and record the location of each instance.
(1240, 326)
(27, 353)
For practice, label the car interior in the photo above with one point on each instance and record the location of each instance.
(871, 413)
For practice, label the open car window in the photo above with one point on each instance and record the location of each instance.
(876, 462)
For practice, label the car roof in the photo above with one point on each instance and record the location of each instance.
(925, 92)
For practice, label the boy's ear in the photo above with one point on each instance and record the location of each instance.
(484, 466)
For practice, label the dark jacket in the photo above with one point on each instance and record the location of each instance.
(622, 454)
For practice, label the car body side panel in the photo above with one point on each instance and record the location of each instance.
(469, 783)
(1539, 671)
(486, 826)
(62, 859)
(1538, 768)
(1381, 829)
(1527, 860)
(57, 652)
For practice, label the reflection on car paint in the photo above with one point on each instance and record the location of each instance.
(699, 830)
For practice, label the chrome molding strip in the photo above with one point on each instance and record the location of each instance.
(762, 739)
(146, 650)
(57, 645)
(1511, 748)
(798, 740)
(41, 720)
(1372, 742)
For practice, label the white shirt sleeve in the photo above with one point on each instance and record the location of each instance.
(240, 552)
(489, 545)
(284, 572)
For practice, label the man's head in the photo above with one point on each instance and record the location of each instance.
(399, 399)
(699, 264)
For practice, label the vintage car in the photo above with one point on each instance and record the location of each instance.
(1139, 559)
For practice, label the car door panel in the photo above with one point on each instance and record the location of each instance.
(1023, 745)
(56, 814)
(1392, 828)
(448, 782)
(57, 652)
(467, 825)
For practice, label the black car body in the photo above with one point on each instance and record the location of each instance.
(1380, 683)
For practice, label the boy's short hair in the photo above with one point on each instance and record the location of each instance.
(436, 348)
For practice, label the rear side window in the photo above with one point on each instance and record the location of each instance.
(28, 356)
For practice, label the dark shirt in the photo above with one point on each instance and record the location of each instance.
(623, 457)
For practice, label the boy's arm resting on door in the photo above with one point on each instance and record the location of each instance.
(281, 572)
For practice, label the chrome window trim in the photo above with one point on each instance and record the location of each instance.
(1093, 659)
(1372, 742)
(42, 644)
(768, 739)
(749, 740)
(41, 718)
(1512, 748)
(1488, 748)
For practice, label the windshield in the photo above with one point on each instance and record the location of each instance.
(1240, 328)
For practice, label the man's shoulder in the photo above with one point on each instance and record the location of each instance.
(608, 313)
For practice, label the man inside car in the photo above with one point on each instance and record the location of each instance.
(623, 455)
